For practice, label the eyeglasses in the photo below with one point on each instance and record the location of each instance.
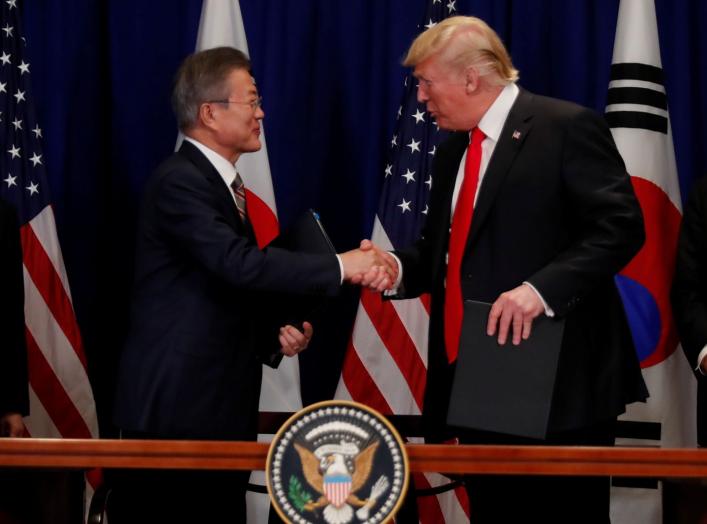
(254, 104)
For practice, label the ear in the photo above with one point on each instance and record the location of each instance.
(472, 79)
(206, 115)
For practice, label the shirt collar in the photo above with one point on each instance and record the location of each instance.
(495, 117)
(221, 165)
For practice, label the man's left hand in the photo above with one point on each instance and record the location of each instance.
(293, 341)
(515, 309)
(12, 425)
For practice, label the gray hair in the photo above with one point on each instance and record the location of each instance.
(201, 78)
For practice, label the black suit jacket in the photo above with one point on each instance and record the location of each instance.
(689, 293)
(555, 208)
(13, 351)
(200, 327)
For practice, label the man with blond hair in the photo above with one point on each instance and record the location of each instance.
(531, 210)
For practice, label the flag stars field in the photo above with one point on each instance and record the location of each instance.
(419, 116)
(35, 159)
(24, 68)
(414, 145)
(19, 96)
(405, 205)
(409, 176)
(10, 180)
(37, 131)
(8, 29)
(5, 58)
(14, 151)
(32, 188)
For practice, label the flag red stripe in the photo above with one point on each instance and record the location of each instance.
(360, 384)
(428, 507)
(398, 342)
(463, 498)
(51, 393)
(426, 302)
(48, 283)
(263, 219)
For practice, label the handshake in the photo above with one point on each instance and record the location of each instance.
(370, 267)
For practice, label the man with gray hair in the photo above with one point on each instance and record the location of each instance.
(531, 210)
(200, 324)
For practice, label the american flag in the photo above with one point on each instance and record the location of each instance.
(61, 400)
(386, 361)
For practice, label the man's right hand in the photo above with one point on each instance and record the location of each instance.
(369, 266)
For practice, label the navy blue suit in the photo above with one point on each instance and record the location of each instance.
(201, 326)
(14, 390)
(199, 332)
(689, 293)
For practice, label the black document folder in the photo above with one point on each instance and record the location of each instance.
(305, 235)
(504, 389)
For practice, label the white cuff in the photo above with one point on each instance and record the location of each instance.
(394, 290)
(341, 269)
(548, 310)
(701, 357)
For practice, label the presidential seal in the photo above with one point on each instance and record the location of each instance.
(337, 462)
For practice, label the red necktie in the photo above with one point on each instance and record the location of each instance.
(461, 224)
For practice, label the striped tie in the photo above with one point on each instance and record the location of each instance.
(238, 188)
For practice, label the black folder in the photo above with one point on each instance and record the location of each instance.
(305, 235)
(505, 389)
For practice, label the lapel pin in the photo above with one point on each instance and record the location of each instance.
(516, 135)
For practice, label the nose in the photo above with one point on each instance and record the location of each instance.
(259, 113)
(422, 95)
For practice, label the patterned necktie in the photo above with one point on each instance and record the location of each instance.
(238, 188)
(461, 224)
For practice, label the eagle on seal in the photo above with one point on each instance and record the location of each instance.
(331, 477)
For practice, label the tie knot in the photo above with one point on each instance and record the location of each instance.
(477, 135)
(237, 183)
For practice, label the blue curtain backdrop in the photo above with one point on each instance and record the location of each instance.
(330, 75)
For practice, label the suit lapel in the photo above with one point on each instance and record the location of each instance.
(516, 129)
(196, 157)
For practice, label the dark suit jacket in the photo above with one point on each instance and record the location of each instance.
(13, 351)
(555, 208)
(200, 329)
(689, 293)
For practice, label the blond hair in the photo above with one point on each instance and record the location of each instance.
(463, 41)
